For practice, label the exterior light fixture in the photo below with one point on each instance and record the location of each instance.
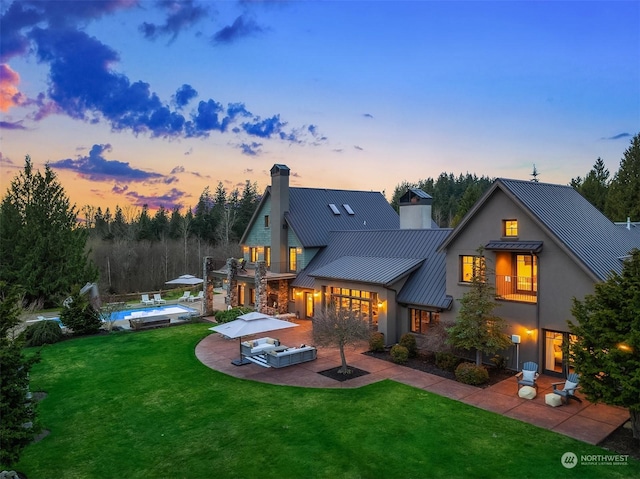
(298, 250)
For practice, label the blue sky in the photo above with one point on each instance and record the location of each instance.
(148, 102)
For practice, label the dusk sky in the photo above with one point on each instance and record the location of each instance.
(148, 102)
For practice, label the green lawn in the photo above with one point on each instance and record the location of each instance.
(140, 405)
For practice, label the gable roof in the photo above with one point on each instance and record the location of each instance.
(382, 257)
(594, 242)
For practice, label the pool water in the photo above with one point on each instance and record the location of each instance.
(147, 312)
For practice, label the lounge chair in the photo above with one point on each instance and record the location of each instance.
(568, 388)
(185, 296)
(146, 300)
(196, 298)
(528, 375)
(158, 299)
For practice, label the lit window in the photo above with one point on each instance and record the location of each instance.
(267, 256)
(470, 265)
(293, 259)
(253, 254)
(421, 320)
(510, 227)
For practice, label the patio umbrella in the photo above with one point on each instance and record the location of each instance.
(247, 324)
(187, 279)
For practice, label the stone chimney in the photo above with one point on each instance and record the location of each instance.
(279, 206)
(415, 210)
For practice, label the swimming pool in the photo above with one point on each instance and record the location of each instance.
(184, 312)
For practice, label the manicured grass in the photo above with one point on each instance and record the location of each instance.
(140, 405)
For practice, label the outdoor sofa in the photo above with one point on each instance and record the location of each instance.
(291, 356)
(258, 346)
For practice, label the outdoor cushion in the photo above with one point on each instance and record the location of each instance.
(569, 387)
(553, 400)
(527, 392)
(528, 375)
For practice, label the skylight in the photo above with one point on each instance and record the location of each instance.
(334, 208)
(348, 208)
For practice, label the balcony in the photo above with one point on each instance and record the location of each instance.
(517, 288)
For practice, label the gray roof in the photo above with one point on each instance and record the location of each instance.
(579, 227)
(370, 253)
(311, 217)
(369, 269)
(535, 246)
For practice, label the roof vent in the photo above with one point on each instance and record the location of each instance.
(334, 208)
(348, 208)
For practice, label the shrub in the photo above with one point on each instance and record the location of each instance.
(376, 342)
(469, 373)
(80, 316)
(231, 314)
(399, 354)
(42, 332)
(408, 340)
(500, 362)
(447, 361)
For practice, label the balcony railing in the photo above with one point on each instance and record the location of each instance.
(517, 288)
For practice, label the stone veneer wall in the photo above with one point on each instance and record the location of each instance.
(262, 298)
(232, 282)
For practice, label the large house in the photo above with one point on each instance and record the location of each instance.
(305, 248)
(546, 245)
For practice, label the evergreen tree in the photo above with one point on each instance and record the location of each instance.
(246, 208)
(43, 248)
(595, 186)
(624, 190)
(18, 424)
(160, 224)
(175, 224)
(120, 227)
(144, 230)
(476, 326)
(606, 352)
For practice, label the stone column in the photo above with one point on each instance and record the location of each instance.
(261, 287)
(232, 282)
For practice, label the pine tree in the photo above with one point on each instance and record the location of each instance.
(43, 248)
(623, 200)
(476, 326)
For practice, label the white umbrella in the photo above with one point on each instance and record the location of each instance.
(188, 279)
(250, 323)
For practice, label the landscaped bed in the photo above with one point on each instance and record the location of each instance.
(142, 405)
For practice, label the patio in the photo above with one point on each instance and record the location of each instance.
(583, 421)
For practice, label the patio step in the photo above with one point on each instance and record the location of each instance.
(259, 359)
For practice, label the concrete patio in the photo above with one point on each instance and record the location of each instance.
(583, 421)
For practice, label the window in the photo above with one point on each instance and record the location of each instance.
(293, 259)
(266, 221)
(421, 320)
(510, 228)
(470, 265)
(360, 302)
(527, 272)
(334, 208)
(253, 254)
(252, 296)
(267, 256)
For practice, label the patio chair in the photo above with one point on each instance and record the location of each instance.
(528, 375)
(569, 388)
(185, 296)
(196, 298)
(158, 299)
(146, 300)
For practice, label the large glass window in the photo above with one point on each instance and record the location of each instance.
(360, 302)
(527, 272)
(293, 259)
(421, 320)
(253, 254)
(267, 256)
(510, 228)
(470, 265)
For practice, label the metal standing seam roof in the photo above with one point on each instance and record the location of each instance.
(415, 250)
(535, 246)
(596, 241)
(312, 219)
(367, 269)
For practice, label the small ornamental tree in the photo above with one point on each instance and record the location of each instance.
(476, 326)
(334, 327)
(606, 352)
(18, 424)
(79, 315)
